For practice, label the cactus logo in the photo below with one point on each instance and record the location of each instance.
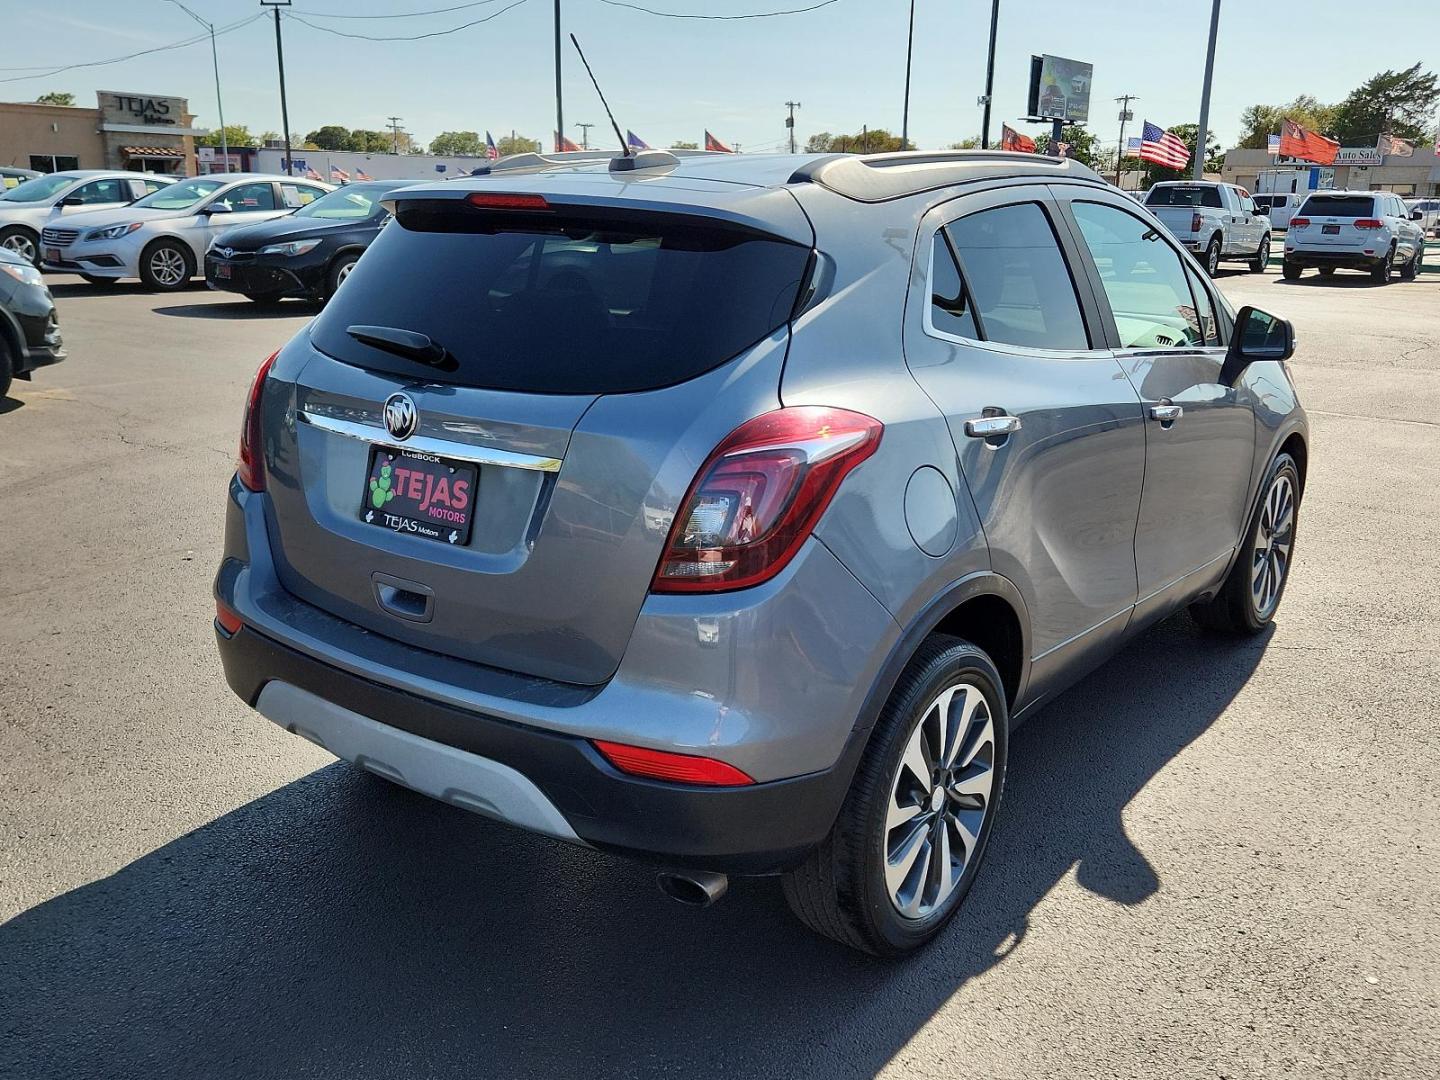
(401, 416)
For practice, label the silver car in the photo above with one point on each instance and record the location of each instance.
(27, 208)
(729, 512)
(162, 238)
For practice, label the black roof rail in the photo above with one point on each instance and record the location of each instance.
(874, 178)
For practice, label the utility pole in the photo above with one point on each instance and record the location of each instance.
(790, 122)
(989, 76)
(1202, 137)
(276, 5)
(559, 109)
(395, 133)
(584, 135)
(905, 112)
(1125, 116)
(219, 101)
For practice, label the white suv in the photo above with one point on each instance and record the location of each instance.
(1361, 230)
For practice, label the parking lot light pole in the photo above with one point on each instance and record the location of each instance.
(905, 112)
(1202, 136)
(276, 5)
(989, 76)
(219, 101)
(559, 107)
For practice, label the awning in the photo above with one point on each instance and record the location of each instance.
(152, 151)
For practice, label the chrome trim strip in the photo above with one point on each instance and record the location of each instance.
(480, 455)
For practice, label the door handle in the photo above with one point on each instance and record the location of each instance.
(1166, 414)
(989, 427)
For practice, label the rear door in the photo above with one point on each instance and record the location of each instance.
(1006, 340)
(592, 356)
(1199, 434)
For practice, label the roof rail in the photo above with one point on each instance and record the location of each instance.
(878, 177)
(533, 162)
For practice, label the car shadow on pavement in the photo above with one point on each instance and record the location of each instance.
(10, 404)
(340, 927)
(76, 288)
(245, 309)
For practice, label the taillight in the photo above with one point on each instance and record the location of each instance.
(1195, 222)
(1299, 222)
(759, 494)
(1368, 223)
(676, 768)
(251, 466)
(500, 200)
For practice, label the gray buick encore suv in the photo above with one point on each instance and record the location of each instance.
(728, 512)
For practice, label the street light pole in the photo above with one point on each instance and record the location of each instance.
(559, 108)
(905, 113)
(219, 101)
(1202, 136)
(989, 76)
(276, 5)
(1125, 116)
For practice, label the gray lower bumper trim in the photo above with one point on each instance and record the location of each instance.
(442, 772)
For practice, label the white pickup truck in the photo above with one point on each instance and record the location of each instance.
(1215, 221)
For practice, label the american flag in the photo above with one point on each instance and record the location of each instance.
(337, 173)
(1132, 146)
(1272, 143)
(361, 174)
(492, 152)
(1162, 148)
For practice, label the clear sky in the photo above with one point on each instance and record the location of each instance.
(669, 79)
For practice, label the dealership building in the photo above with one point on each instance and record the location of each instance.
(1356, 168)
(126, 130)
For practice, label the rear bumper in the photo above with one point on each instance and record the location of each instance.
(1315, 258)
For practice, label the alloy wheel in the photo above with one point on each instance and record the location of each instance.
(1274, 538)
(21, 245)
(343, 272)
(1212, 260)
(939, 799)
(168, 266)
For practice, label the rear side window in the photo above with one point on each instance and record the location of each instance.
(1020, 287)
(950, 309)
(1184, 196)
(1339, 206)
(1268, 200)
(570, 301)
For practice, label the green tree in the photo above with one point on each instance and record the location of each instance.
(235, 135)
(972, 143)
(682, 145)
(330, 137)
(864, 141)
(369, 142)
(56, 97)
(1259, 122)
(1186, 133)
(513, 144)
(1400, 102)
(267, 137)
(1083, 145)
(451, 143)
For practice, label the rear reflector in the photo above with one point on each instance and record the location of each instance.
(492, 200)
(676, 768)
(228, 620)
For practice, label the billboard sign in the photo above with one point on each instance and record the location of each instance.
(1060, 88)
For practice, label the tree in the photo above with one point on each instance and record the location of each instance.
(1186, 133)
(267, 137)
(1259, 122)
(514, 144)
(457, 143)
(56, 97)
(330, 137)
(235, 135)
(369, 142)
(972, 143)
(1400, 102)
(864, 141)
(1082, 143)
(682, 145)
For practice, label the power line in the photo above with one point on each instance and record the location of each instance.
(719, 18)
(128, 56)
(411, 37)
(402, 14)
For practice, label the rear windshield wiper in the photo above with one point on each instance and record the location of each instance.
(410, 344)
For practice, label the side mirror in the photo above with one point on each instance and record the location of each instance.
(1258, 335)
(72, 200)
(1417, 215)
(217, 208)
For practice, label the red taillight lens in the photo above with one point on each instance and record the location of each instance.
(228, 620)
(492, 200)
(1195, 222)
(759, 494)
(676, 768)
(1368, 223)
(1299, 222)
(251, 466)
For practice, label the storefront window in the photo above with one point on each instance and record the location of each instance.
(49, 163)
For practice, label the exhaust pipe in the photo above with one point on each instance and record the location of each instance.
(693, 888)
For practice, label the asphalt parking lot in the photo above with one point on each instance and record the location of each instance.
(1214, 860)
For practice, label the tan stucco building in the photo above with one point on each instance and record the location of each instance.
(125, 130)
(1356, 168)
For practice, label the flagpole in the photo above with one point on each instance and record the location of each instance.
(1201, 137)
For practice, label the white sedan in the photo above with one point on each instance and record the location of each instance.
(162, 238)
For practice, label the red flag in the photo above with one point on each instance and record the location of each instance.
(562, 144)
(1010, 139)
(712, 143)
(1296, 142)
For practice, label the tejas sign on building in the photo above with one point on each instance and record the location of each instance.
(143, 110)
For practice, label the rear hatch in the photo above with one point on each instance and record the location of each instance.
(1331, 222)
(592, 350)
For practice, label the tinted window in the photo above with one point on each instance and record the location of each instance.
(1268, 200)
(1183, 196)
(247, 197)
(949, 302)
(1144, 280)
(580, 301)
(1204, 306)
(1339, 206)
(299, 194)
(103, 191)
(353, 202)
(1019, 284)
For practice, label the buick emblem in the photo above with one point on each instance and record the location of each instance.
(401, 416)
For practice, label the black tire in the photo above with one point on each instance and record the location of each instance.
(1381, 273)
(21, 241)
(91, 279)
(1212, 257)
(161, 282)
(1411, 270)
(1327, 271)
(840, 890)
(7, 367)
(1262, 256)
(1291, 272)
(1234, 609)
(343, 264)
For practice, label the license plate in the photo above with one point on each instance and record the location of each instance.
(1330, 230)
(222, 270)
(51, 255)
(409, 492)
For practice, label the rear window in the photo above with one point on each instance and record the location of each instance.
(1339, 206)
(574, 301)
(1183, 196)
